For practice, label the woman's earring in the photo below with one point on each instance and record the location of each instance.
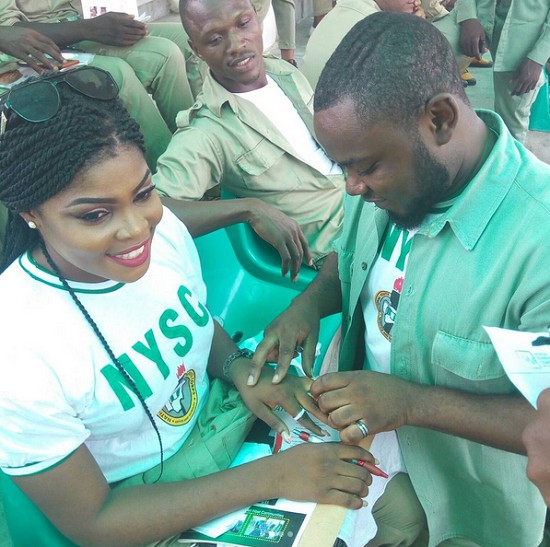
(31, 225)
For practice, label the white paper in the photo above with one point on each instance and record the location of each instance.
(247, 453)
(359, 526)
(527, 366)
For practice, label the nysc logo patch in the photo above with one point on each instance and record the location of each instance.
(183, 402)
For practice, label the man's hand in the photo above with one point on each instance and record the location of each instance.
(472, 38)
(380, 400)
(285, 234)
(30, 46)
(526, 77)
(536, 437)
(116, 29)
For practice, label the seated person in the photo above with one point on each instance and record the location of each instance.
(143, 59)
(250, 131)
(346, 13)
(438, 242)
(118, 387)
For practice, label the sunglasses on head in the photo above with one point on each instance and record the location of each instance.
(39, 100)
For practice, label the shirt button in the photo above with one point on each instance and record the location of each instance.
(363, 265)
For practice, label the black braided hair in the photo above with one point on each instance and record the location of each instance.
(38, 160)
(390, 65)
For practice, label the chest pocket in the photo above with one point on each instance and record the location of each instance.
(266, 167)
(468, 364)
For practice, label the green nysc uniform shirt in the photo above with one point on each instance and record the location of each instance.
(482, 262)
(224, 139)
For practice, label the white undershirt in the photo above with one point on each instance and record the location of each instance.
(278, 108)
(380, 296)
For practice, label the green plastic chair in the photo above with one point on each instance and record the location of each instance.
(245, 292)
(540, 111)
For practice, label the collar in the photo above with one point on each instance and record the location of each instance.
(215, 96)
(38, 273)
(482, 196)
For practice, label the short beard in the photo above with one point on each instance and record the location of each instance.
(432, 181)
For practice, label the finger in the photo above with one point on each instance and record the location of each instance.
(49, 47)
(307, 423)
(130, 40)
(133, 29)
(33, 63)
(340, 414)
(272, 420)
(306, 252)
(308, 354)
(357, 475)
(285, 259)
(48, 63)
(351, 434)
(295, 261)
(328, 382)
(344, 499)
(286, 354)
(267, 346)
(311, 407)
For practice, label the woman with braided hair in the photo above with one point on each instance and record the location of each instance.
(117, 414)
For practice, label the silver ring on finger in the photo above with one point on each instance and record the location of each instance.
(363, 428)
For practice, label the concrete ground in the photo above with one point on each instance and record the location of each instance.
(481, 96)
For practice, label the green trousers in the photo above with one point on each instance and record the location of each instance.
(158, 76)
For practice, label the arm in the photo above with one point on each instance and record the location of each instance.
(76, 498)
(115, 29)
(472, 35)
(31, 47)
(528, 73)
(299, 324)
(386, 402)
(279, 230)
(536, 437)
(261, 399)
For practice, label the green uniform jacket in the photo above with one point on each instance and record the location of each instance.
(526, 31)
(483, 262)
(340, 20)
(226, 139)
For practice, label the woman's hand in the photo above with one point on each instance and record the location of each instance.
(291, 394)
(323, 473)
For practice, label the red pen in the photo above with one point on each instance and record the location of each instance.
(373, 470)
(308, 437)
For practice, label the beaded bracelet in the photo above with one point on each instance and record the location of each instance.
(226, 368)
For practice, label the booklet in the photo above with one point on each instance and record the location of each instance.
(526, 364)
(257, 526)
